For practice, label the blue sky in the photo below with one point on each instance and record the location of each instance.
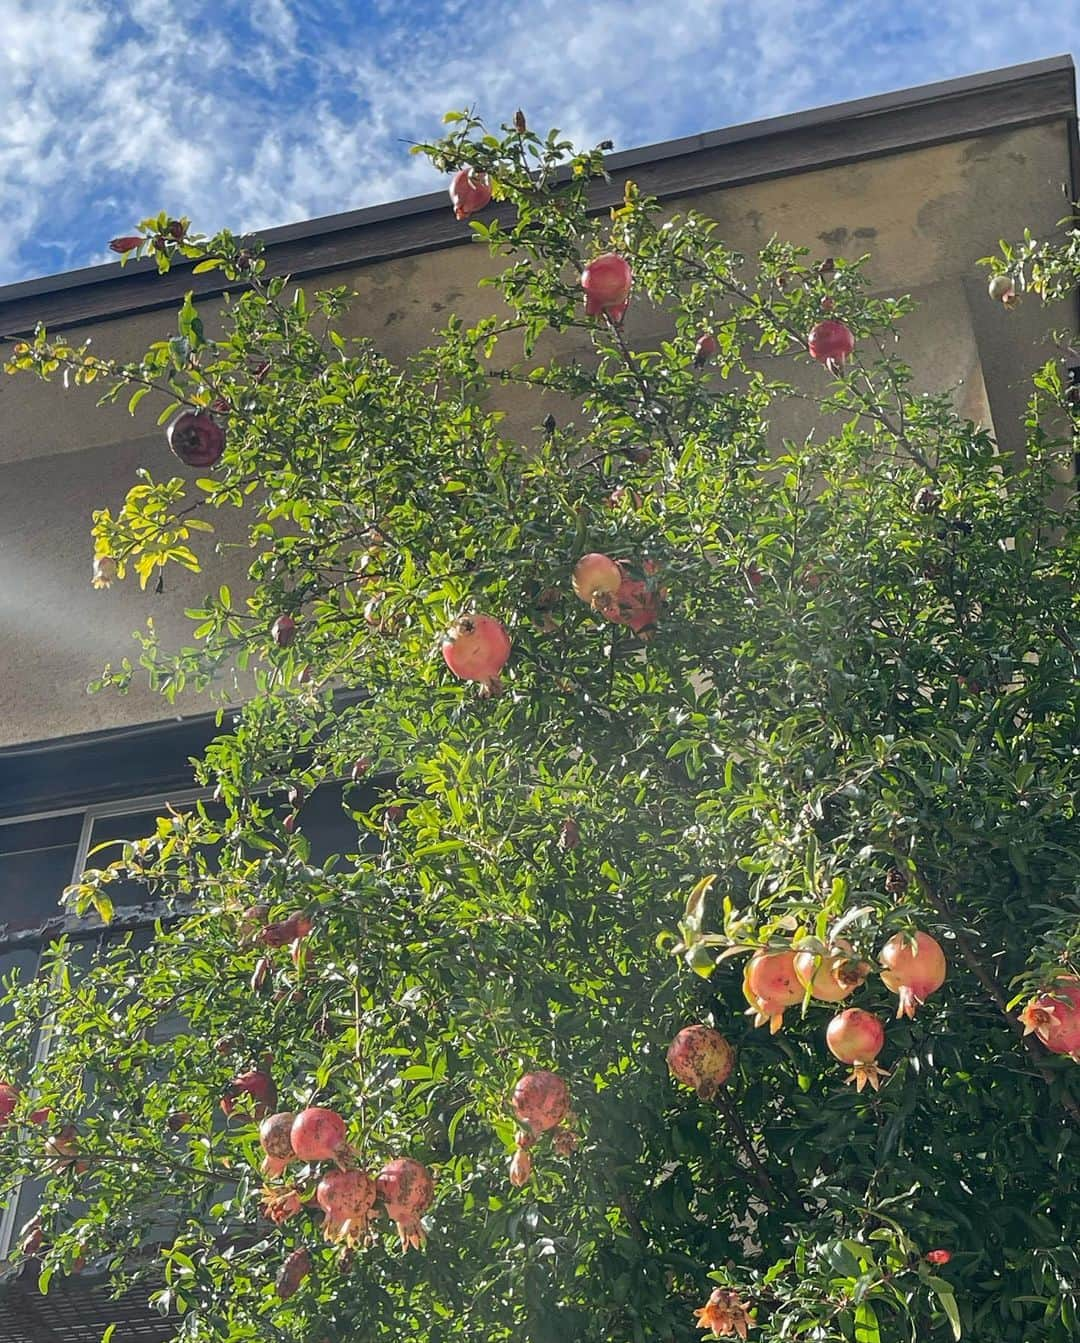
(250, 115)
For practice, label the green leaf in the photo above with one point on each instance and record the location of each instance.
(866, 1324)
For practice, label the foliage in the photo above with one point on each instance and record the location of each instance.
(858, 713)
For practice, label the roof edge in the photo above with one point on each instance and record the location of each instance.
(948, 110)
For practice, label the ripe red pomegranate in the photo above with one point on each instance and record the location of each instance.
(830, 343)
(520, 1168)
(293, 1272)
(541, 1100)
(857, 1037)
(32, 1238)
(832, 977)
(596, 580)
(258, 1086)
(63, 1149)
(770, 985)
(405, 1189)
(938, 1256)
(469, 192)
(636, 605)
(705, 348)
(274, 1135)
(196, 438)
(283, 631)
(347, 1197)
(476, 649)
(360, 768)
(9, 1098)
(913, 972)
(606, 281)
(319, 1135)
(701, 1058)
(1054, 1016)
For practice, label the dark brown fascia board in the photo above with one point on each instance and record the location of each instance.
(955, 109)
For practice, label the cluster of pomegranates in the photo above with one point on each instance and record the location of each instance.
(350, 1198)
(913, 966)
(607, 586)
(541, 1102)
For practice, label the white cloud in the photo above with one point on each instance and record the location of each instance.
(250, 116)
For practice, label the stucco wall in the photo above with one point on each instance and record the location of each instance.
(924, 215)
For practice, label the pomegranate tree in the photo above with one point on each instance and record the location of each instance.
(476, 649)
(318, 1134)
(1054, 1016)
(857, 1037)
(405, 1189)
(347, 1197)
(914, 968)
(700, 1057)
(770, 986)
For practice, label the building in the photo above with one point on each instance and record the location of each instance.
(926, 180)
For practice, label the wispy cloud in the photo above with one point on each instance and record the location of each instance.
(250, 116)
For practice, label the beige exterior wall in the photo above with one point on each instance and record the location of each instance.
(925, 215)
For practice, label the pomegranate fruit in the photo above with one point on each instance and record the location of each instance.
(281, 934)
(405, 1189)
(274, 1136)
(319, 1135)
(255, 1084)
(196, 438)
(857, 1037)
(569, 834)
(606, 281)
(283, 631)
(293, 1272)
(596, 580)
(636, 605)
(938, 1256)
(830, 343)
(1054, 1016)
(9, 1098)
(520, 1168)
(831, 977)
(1001, 289)
(770, 986)
(701, 1058)
(476, 649)
(541, 1100)
(347, 1197)
(913, 969)
(705, 348)
(469, 192)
